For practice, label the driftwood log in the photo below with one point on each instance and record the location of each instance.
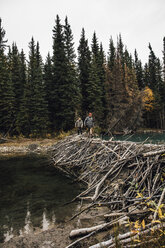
(122, 175)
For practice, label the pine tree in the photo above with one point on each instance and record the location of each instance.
(111, 54)
(122, 94)
(154, 78)
(40, 114)
(120, 51)
(163, 90)
(139, 71)
(18, 86)
(128, 59)
(96, 82)
(48, 81)
(84, 58)
(94, 94)
(23, 71)
(23, 83)
(34, 110)
(95, 47)
(59, 74)
(164, 59)
(102, 75)
(2, 36)
(152, 66)
(63, 77)
(69, 44)
(73, 91)
(25, 125)
(6, 89)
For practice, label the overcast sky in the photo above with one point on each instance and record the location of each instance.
(138, 21)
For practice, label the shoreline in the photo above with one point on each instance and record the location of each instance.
(26, 147)
(16, 147)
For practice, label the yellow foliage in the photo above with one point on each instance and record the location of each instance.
(160, 213)
(143, 224)
(136, 224)
(148, 99)
(156, 221)
(137, 240)
(139, 195)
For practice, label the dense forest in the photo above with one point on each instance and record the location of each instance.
(39, 98)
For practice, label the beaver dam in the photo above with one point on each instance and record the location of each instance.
(125, 177)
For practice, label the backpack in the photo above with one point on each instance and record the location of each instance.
(88, 122)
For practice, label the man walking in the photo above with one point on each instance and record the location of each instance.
(79, 126)
(89, 123)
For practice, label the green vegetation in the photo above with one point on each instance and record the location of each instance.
(38, 98)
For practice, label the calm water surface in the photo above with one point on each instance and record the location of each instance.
(154, 138)
(32, 194)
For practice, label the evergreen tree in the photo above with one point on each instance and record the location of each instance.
(111, 54)
(73, 91)
(102, 75)
(63, 77)
(154, 78)
(23, 84)
(84, 58)
(128, 59)
(152, 66)
(23, 72)
(164, 59)
(40, 114)
(69, 44)
(163, 90)
(96, 82)
(122, 94)
(139, 71)
(2, 36)
(59, 74)
(120, 51)
(6, 89)
(48, 81)
(34, 110)
(94, 93)
(146, 75)
(95, 47)
(18, 87)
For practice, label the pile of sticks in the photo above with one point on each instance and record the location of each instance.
(118, 174)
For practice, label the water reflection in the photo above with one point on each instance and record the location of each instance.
(45, 222)
(28, 228)
(32, 195)
(8, 235)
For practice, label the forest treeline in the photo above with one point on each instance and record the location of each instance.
(39, 98)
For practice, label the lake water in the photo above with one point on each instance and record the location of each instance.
(32, 195)
(154, 138)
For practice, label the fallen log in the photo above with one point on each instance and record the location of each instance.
(126, 237)
(84, 231)
(154, 153)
